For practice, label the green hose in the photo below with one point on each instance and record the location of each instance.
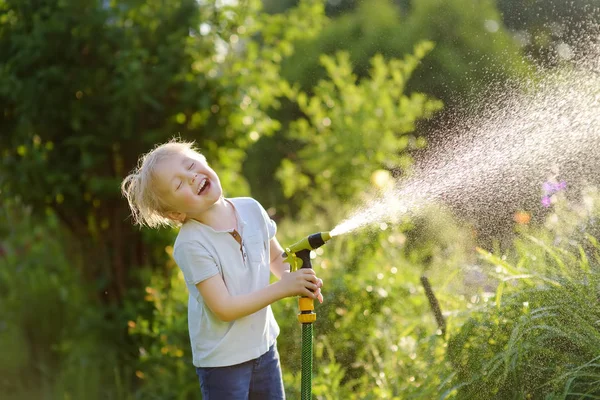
(307, 349)
(298, 256)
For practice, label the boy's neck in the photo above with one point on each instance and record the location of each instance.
(221, 216)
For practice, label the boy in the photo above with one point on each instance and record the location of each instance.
(226, 249)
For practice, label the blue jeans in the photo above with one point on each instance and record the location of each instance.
(258, 379)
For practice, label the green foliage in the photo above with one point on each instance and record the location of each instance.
(466, 63)
(86, 89)
(435, 237)
(472, 47)
(375, 335)
(353, 128)
(50, 331)
(552, 31)
(163, 369)
(539, 338)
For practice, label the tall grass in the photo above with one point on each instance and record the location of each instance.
(540, 337)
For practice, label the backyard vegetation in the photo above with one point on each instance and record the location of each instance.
(312, 110)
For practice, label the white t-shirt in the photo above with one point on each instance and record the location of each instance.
(202, 252)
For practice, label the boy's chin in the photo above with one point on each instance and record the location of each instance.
(210, 200)
(215, 193)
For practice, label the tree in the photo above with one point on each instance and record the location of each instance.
(465, 59)
(552, 31)
(472, 47)
(86, 88)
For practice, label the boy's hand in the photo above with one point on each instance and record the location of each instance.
(318, 292)
(302, 282)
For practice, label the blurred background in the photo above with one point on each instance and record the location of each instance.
(312, 107)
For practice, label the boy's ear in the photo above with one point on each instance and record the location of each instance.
(176, 216)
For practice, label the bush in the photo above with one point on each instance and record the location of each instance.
(164, 367)
(351, 128)
(375, 334)
(539, 337)
(50, 330)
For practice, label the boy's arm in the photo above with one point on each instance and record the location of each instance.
(228, 308)
(277, 266)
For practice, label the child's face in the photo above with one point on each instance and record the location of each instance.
(188, 185)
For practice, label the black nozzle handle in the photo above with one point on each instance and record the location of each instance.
(304, 255)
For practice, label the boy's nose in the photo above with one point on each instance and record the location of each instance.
(194, 178)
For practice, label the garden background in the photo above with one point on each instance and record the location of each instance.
(312, 107)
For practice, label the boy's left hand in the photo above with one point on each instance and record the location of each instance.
(319, 294)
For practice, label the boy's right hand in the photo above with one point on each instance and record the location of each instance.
(302, 282)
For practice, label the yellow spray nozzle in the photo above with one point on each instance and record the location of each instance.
(311, 242)
(299, 252)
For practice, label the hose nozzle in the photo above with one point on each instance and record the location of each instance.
(298, 254)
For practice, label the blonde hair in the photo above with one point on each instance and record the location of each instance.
(140, 189)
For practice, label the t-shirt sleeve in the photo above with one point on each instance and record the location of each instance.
(196, 263)
(271, 225)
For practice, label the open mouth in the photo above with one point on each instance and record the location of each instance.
(203, 187)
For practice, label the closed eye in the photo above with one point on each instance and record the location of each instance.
(191, 166)
(178, 186)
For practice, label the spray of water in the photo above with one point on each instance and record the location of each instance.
(548, 126)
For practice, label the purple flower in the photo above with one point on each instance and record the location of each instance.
(546, 201)
(549, 188)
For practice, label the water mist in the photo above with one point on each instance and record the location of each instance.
(548, 126)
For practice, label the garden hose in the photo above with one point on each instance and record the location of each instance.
(298, 256)
(307, 349)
